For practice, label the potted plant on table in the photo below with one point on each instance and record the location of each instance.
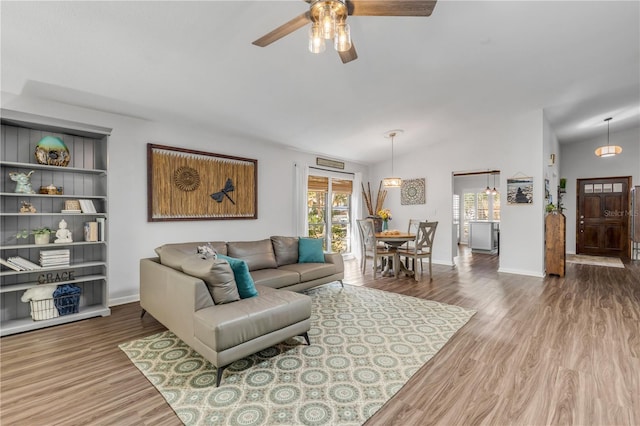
(42, 235)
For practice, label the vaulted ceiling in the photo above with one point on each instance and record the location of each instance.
(466, 67)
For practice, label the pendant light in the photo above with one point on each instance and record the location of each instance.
(608, 150)
(494, 191)
(392, 182)
(488, 190)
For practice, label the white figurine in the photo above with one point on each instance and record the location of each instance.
(63, 235)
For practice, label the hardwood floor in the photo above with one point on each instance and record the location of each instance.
(539, 351)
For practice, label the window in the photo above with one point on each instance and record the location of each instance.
(469, 213)
(478, 206)
(334, 215)
(482, 206)
(456, 215)
(496, 207)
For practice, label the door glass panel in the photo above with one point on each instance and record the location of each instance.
(317, 202)
(334, 216)
(340, 223)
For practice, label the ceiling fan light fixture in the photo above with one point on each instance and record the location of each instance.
(327, 20)
(342, 40)
(316, 41)
(608, 150)
(329, 17)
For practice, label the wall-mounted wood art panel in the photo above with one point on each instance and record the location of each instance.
(184, 184)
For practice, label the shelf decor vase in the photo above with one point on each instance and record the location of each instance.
(385, 225)
(377, 223)
(42, 238)
(52, 151)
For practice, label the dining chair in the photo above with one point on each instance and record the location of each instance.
(422, 247)
(414, 224)
(370, 246)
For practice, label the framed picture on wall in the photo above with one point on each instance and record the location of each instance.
(520, 190)
(412, 191)
(183, 184)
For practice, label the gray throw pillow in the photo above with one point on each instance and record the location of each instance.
(217, 275)
(286, 249)
(257, 254)
(174, 257)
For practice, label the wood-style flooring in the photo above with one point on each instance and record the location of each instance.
(538, 352)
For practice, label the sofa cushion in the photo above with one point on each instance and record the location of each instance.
(286, 249)
(224, 326)
(172, 255)
(217, 275)
(257, 254)
(244, 282)
(310, 250)
(311, 271)
(275, 278)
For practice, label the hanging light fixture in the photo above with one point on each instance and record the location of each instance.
(328, 19)
(488, 190)
(494, 191)
(608, 150)
(392, 182)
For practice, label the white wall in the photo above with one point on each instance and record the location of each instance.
(513, 145)
(131, 237)
(578, 161)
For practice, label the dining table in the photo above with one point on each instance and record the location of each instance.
(395, 239)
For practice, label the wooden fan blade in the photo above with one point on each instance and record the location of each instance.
(349, 55)
(283, 30)
(391, 7)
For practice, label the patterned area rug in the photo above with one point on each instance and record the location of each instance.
(365, 345)
(612, 262)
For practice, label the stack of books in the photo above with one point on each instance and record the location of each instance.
(101, 228)
(49, 258)
(18, 263)
(87, 206)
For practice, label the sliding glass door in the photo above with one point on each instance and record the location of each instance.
(329, 201)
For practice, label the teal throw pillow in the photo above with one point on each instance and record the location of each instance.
(310, 250)
(246, 286)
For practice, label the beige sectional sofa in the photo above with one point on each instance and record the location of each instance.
(225, 332)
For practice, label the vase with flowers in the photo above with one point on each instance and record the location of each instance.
(385, 215)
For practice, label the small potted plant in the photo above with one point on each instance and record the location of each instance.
(563, 184)
(550, 208)
(42, 235)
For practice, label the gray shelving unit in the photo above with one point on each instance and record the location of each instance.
(85, 177)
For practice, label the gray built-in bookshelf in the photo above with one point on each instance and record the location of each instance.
(84, 178)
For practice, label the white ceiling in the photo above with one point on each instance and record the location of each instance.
(439, 78)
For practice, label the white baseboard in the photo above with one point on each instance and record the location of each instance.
(123, 300)
(521, 272)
